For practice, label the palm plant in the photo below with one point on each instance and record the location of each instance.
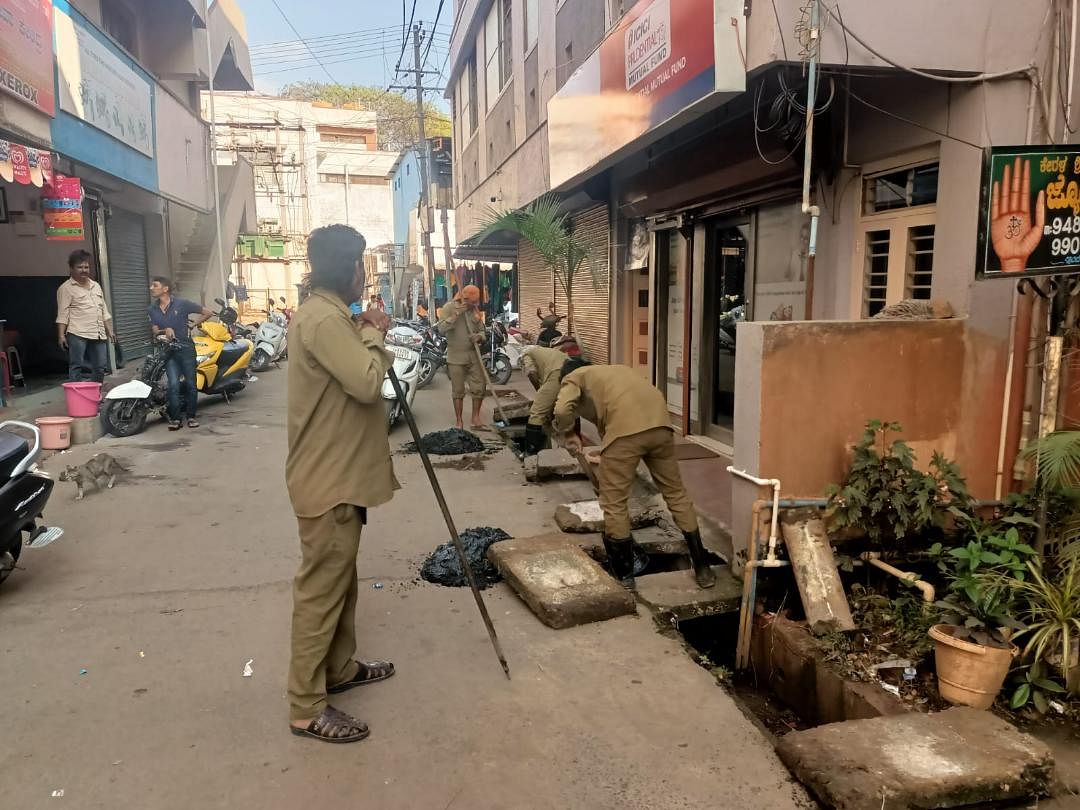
(542, 225)
(1052, 615)
(1057, 463)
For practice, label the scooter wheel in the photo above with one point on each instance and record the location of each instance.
(124, 417)
(260, 360)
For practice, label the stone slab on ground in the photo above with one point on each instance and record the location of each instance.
(515, 405)
(86, 429)
(653, 539)
(559, 582)
(587, 517)
(675, 594)
(949, 759)
(552, 463)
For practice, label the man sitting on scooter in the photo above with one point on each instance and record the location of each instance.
(169, 316)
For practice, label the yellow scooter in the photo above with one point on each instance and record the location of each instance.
(221, 360)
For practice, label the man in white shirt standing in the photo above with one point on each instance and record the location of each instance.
(83, 322)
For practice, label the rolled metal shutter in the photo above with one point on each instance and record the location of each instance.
(536, 287)
(129, 281)
(592, 305)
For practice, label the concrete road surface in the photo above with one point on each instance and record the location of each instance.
(123, 644)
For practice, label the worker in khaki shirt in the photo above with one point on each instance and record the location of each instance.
(464, 330)
(83, 323)
(543, 367)
(338, 467)
(632, 417)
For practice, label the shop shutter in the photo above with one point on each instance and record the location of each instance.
(536, 287)
(129, 281)
(592, 305)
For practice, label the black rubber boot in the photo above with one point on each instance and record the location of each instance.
(703, 573)
(626, 559)
(535, 439)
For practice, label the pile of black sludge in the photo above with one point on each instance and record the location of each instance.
(452, 442)
(443, 567)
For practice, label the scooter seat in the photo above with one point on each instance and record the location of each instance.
(13, 449)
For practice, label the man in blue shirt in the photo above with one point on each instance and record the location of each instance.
(169, 317)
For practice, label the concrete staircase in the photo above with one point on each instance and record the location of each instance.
(196, 271)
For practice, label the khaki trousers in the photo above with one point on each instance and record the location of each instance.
(618, 467)
(466, 375)
(324, 609)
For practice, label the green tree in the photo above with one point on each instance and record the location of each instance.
(396, 113)
(541, 224)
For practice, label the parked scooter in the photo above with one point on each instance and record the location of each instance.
(432, 357)
(24, 491)
(270, 342)
(221, 368)
(407, 368)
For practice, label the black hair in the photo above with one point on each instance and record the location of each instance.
(333, 252)
(78, 257)
(571, 365)
(164, 281)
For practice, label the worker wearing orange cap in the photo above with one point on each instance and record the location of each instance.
(461, 324)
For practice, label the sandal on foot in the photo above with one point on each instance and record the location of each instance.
(367, 672)
(175, 425)
(192, 423)
(333, 726)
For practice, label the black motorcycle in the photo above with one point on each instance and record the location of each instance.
(499, 367)
(432, 357)
(24, 491)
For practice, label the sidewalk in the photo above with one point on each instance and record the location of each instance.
(167, 585)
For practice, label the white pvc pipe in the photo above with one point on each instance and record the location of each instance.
(928, 594)
(770, 560)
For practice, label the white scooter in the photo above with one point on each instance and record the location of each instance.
(270, 342)
(407, 368)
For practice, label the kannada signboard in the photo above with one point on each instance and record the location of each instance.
(662, 57)
(1029, 217)
(26, 52)
(101, 88)
(61, 205)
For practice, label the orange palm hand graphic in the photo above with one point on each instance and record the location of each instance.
(1011, 232)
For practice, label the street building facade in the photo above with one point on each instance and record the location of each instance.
(102, 148)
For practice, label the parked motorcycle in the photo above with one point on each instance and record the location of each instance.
(270, 342)
(512, 345)
(498, 363)
(24, 491)
(221, 368)
(432, 357)
(407, 368)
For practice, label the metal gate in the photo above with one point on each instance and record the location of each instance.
(592, 303)
(536, 287)
(129, 281)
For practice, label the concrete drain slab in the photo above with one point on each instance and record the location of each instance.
(676, 595)
(559, 582)
(587, 516)
(953, 758)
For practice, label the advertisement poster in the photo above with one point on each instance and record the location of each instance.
(26, 52)
(662, 57)
(100, 88)
(61, 208)
(1029, 217)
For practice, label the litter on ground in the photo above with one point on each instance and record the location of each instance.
(443, 567)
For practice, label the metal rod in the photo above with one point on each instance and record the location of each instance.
(434, 481)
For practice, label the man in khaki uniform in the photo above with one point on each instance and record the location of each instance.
(634, 426)
(543, 367)
(460, 322)
(338, 467)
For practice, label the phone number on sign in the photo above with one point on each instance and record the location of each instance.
(1067, 246)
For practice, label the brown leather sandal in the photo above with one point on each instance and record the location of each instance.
(367, 672)
(334, 726)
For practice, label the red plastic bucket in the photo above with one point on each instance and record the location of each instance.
(82, 398)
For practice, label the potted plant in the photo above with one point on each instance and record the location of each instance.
(1052, 615)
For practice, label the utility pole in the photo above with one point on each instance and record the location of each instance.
(426, 223)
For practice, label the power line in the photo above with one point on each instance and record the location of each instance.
(404, 39)
(361, 32)
(327, 54)
(335, 40)
(431, 34)
(293, 27)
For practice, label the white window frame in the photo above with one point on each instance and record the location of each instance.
(465, 99)
(497, 50)
(614, 11)
(899, 223)
(530, 12)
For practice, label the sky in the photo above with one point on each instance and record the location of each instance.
(358, 41)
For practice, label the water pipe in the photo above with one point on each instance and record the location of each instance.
(874, 558)
(770, 558)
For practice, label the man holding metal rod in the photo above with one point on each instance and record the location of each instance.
(464, 330)
(338, 467)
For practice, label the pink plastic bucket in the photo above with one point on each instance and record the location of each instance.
(55, 432)
(83, 398)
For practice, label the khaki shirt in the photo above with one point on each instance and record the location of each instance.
(339, 449)
(82, 309)
(459, 347)
(617, 399)
(545, 365)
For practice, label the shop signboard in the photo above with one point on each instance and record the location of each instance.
(663, 57)
(1029, 215)
(61, 208)
(22, 164)
(100, 88)
(26, 52)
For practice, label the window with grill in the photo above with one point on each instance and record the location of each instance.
(920, 262)
(876, 273)
(904, 188)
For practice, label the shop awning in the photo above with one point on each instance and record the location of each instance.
(501, 246)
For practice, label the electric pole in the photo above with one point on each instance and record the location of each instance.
(426, 223)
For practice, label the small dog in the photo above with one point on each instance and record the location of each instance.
(101, 470)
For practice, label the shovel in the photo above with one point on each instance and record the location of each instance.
(407, 411)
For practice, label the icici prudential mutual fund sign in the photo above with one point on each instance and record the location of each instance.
(662, 58)
(648, 42)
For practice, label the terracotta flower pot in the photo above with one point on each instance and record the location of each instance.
(969, 674)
